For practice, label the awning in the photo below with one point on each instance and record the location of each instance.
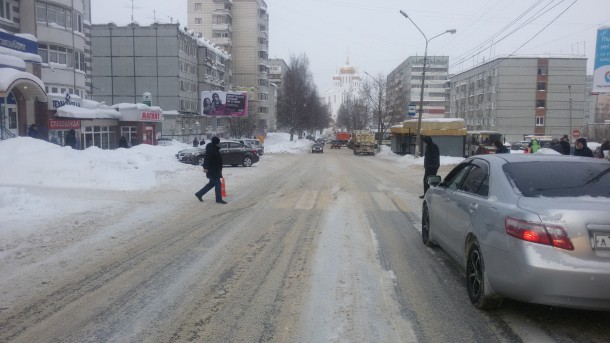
(28, 84)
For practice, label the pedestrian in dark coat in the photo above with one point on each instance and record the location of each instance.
(582, 149)
(33, 131)
(212, 167)
(432, 161)
(195, 142)
(123, 142)
(565, 145)
(71, 139)
(500, 148)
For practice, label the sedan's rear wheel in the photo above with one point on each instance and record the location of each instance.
(425, 228)
(247, 162)
(475, 280)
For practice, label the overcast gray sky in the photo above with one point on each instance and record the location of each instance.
(377, 38)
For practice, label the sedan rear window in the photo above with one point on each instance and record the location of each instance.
(560, 179)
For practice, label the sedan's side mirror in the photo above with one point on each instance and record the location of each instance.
(434, 180)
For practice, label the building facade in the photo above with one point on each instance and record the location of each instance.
(172, 65)
(346, 84)
(241, 27)
(521, 96)
(277, 70)
(404, 85)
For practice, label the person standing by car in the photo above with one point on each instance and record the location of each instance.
(565, 145)
(500, 148)
(582, 149)
(432, 161)
(212, 166)
(195, 142)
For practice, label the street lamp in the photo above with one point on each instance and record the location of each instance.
(380, 136)
(423, 78)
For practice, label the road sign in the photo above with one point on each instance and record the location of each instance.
(412, 108)
(576, 133)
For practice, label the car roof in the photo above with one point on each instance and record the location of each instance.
(510, 158)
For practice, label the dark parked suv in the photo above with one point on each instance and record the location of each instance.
(233, 153)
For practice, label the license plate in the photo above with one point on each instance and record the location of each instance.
(602, 241)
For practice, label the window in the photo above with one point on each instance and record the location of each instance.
(6, 10)
(78, 23)
(41, 13)
(543, 70)
(263, 110)
(540, 103)
(455, 178)
(539, 121)
(198, 21)
(559, 178)
(477, 181)
(198, 6)
(541, 86)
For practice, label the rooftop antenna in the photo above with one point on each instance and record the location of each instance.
(133, 7)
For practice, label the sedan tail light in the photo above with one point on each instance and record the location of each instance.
(538, 233)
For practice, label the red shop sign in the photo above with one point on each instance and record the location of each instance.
(63, 124)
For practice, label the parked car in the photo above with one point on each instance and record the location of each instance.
(533, 228)
(233, 153)
(317, 147)
(193, 156)
(254, 143)
(164, 141)
(335, 144)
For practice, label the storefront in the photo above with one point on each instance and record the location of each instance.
(140, 123)
(94, 124)
(21, 90)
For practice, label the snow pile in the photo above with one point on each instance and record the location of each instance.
(38, 163)
(386, 153)
(279, 142)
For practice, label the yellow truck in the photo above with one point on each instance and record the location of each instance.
(363, 143)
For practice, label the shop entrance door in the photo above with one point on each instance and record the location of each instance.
(150, 131)
(9, 120)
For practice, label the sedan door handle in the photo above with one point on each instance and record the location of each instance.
(474, 207)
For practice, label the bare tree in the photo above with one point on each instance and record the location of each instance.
(299, 106)
(353, 115)
(374, 93)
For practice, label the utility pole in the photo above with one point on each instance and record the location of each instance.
(571, 135)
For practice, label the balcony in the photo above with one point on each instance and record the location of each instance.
(221, 27)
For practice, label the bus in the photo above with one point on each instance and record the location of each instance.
(481, 142)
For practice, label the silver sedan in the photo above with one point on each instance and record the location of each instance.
(533, 228)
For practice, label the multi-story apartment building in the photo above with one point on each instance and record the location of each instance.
(277, 70)
(346, 84)
(59, 30)
(241, 27)
(172, 65)
(62, 28)
(404, 85)
(520, 96)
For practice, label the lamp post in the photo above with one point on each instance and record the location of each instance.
(380, 136)
(423, 78)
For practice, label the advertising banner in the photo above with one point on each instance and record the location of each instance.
(601, 72)
(227, 104)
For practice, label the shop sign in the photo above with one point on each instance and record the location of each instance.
(56, 102)
(63, 124)
(150, 116)
(21, 44)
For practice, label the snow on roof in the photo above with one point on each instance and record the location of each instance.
(12, 61)
(438, 120)
(27, 36)
(209, 45)
(139, 106)
(22, 55)
(69, 111)
(10, 75)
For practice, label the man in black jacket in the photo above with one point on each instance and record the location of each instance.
(582, 149)
(565, 145)
(432, 161)
(212, 167)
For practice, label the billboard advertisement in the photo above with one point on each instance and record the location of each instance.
(601, 72)
(224, 104)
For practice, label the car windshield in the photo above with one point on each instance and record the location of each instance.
(560, 179)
